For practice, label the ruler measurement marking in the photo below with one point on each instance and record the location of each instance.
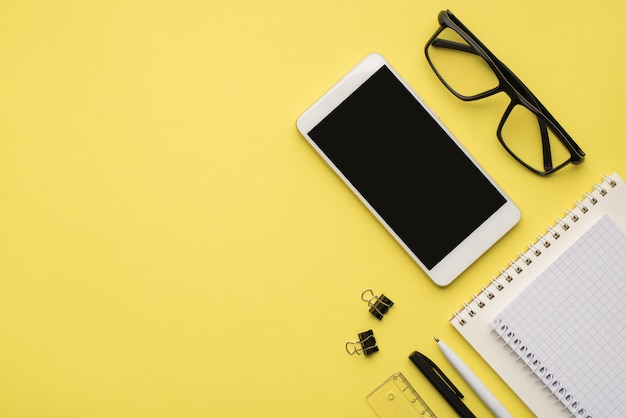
(387, 405)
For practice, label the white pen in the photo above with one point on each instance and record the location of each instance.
(472, 380)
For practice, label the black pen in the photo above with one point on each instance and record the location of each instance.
(441, 382)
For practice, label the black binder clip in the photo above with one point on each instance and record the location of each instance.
(366, 344)
(379, 305)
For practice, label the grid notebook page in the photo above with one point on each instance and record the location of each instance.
(572, 319)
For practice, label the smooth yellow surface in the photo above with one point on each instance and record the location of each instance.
(171, 247)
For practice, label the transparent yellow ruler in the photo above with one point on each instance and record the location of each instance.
(396, 398)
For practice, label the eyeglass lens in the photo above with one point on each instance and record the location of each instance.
(465, 72)
(532, 141)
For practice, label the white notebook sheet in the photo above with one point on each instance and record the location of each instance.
(553, 324)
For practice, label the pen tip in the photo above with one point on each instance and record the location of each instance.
(436, 339)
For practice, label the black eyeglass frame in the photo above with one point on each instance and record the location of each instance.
(512, 86)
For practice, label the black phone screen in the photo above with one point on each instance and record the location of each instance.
(406, 167)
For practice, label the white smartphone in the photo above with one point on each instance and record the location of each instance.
(408, 169)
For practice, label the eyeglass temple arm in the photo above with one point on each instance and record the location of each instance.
(545, 144)
(444, 43)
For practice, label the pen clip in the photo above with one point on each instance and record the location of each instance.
(443, 376)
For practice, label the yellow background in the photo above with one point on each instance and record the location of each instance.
(170, 246)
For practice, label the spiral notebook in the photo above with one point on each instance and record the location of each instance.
(552, 323)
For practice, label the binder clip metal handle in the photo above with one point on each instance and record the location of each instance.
(379, 305)
(366, 344)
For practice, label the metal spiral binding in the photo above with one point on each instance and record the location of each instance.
(591, 198)
(609, 180)
(553, 233)
(517, 269)
(542, 239)
(600, 190)
(507, 276)
(572, 215)
(581, 207)
(564, 225)
(536, 251)
(478, 301)
(536, 367)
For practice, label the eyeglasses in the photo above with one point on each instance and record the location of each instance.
(471, 72)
